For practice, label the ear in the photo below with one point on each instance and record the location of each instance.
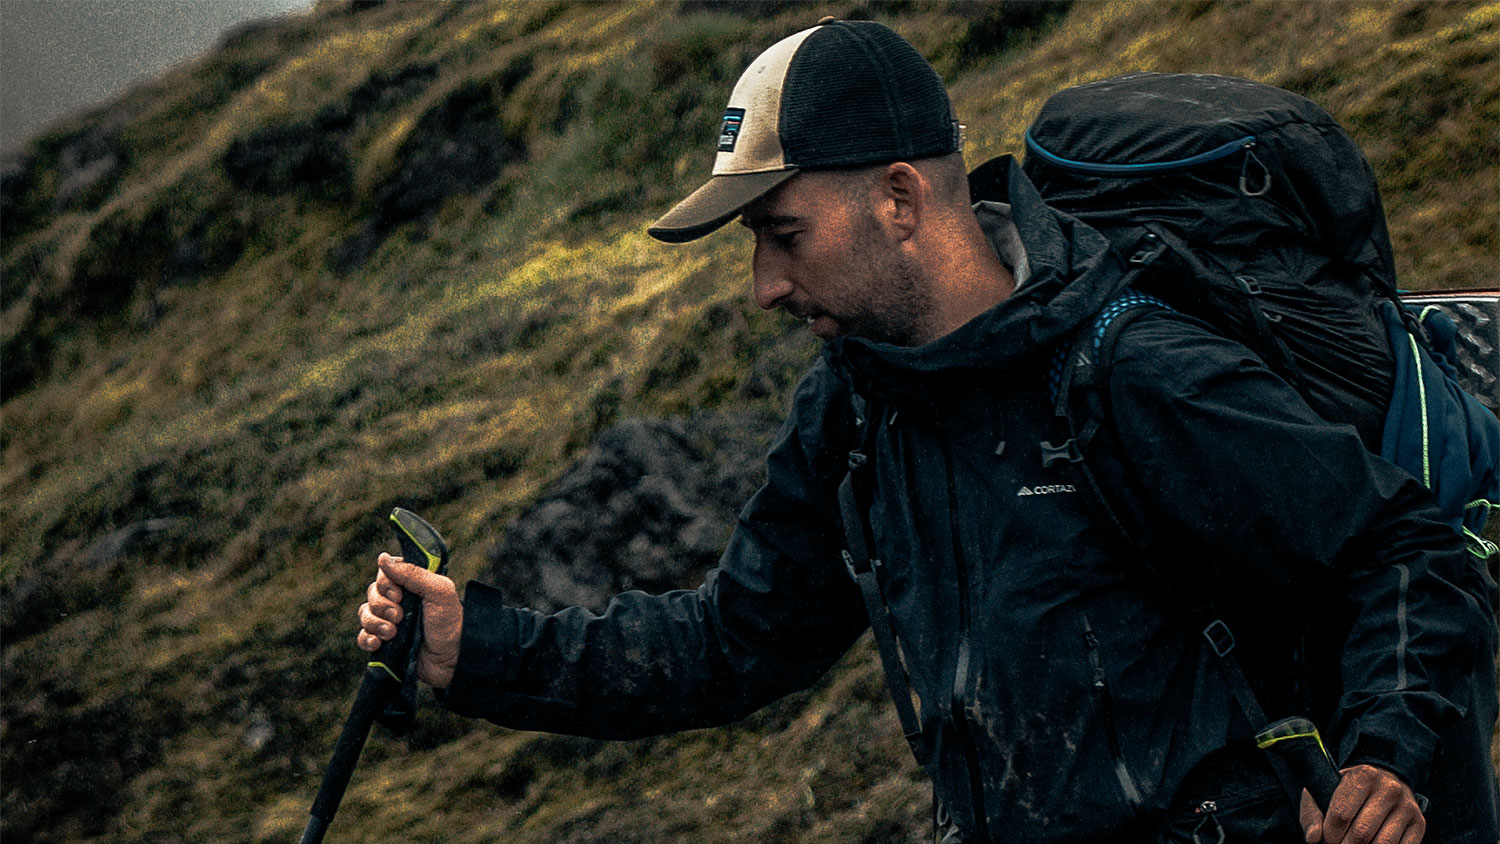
(903, 197)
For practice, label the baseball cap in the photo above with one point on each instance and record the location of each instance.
(841, 94)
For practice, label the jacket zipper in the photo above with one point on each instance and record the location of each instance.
(961, 669)
(1100, 687)
(1208, 811)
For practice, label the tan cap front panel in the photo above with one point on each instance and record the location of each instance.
(758, 147)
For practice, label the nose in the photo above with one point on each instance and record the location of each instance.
(770, 284)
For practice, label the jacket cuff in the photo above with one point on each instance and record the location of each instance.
(486, 652)
(1409, 757)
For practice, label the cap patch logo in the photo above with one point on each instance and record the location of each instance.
(729, 132)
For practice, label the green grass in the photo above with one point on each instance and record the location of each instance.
(277, 402)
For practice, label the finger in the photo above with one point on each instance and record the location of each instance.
(1394, 830)
(1312, 819)
(387, 587)
(384, 605)
(375, 625)
(1371, 821)
(367, 643)
(1405, 823)
(1348, 800)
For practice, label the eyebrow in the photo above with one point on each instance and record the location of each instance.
(768, 222)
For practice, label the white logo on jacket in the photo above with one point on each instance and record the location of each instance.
(1050, 489)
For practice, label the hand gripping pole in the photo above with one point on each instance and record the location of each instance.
(388, 690)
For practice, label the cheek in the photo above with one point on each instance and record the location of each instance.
(831, 267)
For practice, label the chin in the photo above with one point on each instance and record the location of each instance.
(825, 328)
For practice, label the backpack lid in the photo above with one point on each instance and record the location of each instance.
(1093, 146)
(1146, 121)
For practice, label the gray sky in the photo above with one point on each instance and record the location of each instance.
(59, 56)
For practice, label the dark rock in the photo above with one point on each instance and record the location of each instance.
(648, 507)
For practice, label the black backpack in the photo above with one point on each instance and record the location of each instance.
(1272, 226)
(1248, 207)
(1260, 216)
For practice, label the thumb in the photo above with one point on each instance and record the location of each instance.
(1312, 819)
(414, 577)
(442, 618)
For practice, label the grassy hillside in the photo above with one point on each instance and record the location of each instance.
(394, 254)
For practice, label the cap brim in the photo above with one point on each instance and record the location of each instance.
(717, 202)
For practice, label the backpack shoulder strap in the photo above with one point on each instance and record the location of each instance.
(1079, 389)
(864, 568)
(1087, 363)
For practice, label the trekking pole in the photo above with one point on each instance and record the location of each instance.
(1295, 744)
(385, 692)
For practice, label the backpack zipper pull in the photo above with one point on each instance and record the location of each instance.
(1265, 173)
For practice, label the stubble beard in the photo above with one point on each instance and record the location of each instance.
(897, 306)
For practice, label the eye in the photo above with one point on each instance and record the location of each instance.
(784, 240)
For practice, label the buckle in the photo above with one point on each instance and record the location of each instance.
(1148, 249)
(1067, 451)
(1219, 637)
(856, 460)
(855, 573)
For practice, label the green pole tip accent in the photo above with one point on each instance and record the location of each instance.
(387, 669)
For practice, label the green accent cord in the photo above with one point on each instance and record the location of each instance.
(1422, 390)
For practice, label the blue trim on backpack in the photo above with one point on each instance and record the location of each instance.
(1119, 305)
(1106, 169)
(1125, 301)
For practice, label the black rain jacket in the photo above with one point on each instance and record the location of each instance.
(1063, 703)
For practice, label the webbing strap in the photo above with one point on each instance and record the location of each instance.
(1129, 546)
(1132, 548)
(1221, 644)
(863, 568)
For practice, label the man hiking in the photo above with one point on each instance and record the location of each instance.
(1060, 700)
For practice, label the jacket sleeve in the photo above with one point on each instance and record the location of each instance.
(1281, 503)
(775, 615)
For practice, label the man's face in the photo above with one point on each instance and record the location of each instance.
(822, 255)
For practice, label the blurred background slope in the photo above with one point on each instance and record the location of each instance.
(393, 253)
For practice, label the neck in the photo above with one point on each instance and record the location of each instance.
(967, 277)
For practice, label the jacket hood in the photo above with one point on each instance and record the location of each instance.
(1073, 273)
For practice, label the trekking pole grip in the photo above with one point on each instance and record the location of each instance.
(420, 545)
(1295, 744)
